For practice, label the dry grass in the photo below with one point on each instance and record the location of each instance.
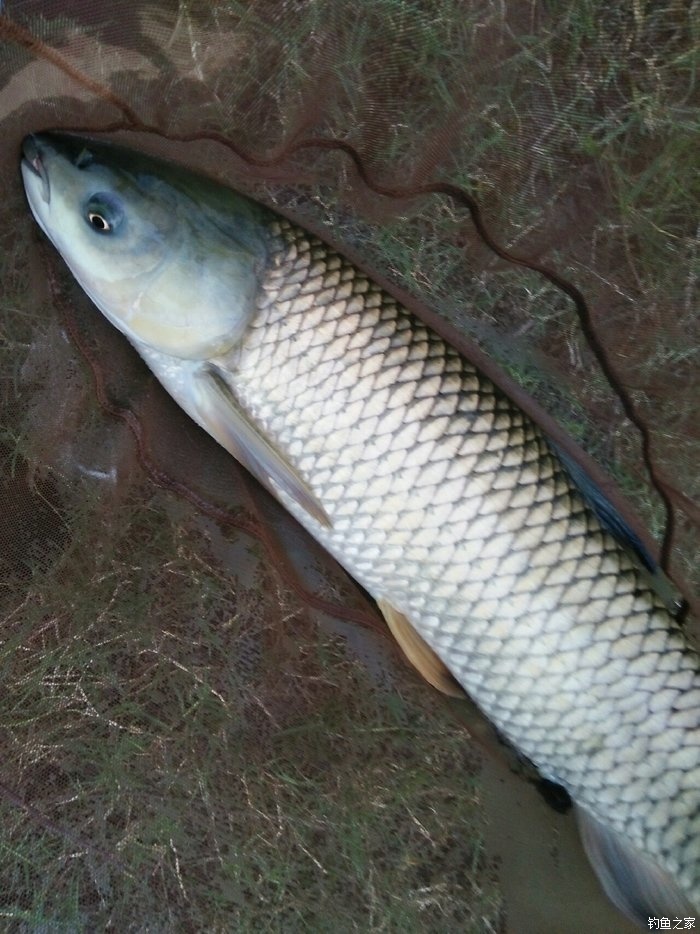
(182, 749)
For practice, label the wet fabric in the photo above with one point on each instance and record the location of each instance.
(202, 716)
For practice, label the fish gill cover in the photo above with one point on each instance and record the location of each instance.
(203, 725)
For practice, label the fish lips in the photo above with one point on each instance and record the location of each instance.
(33, 168)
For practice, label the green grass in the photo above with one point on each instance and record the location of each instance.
(208, 784)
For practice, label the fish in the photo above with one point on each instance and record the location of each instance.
(500, 570)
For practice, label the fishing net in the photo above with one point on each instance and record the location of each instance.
(203, 724)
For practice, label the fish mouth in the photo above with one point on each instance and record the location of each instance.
(32, 163)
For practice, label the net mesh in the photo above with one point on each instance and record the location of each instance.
(203, 724)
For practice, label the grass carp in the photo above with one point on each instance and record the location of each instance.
(496, 571)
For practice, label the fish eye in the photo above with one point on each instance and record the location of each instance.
(99, 222)
(103, 212)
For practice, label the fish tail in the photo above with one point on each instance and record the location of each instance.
(637, 885)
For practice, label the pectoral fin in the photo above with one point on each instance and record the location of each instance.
(226, 421)
(418, 652)
(635, 883)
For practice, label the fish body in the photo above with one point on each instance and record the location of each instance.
(426, 482)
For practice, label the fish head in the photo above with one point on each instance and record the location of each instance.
(153, 256)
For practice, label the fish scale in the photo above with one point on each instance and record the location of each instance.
(485, 547)
(446, 500)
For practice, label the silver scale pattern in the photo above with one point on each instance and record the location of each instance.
(446, 500)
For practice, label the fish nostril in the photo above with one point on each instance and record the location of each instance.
(32, 159)
(30, 151)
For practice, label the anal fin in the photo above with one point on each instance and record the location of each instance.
(419, 653)
(639, 887)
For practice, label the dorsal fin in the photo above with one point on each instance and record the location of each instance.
(603, 508)
(618, 527)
